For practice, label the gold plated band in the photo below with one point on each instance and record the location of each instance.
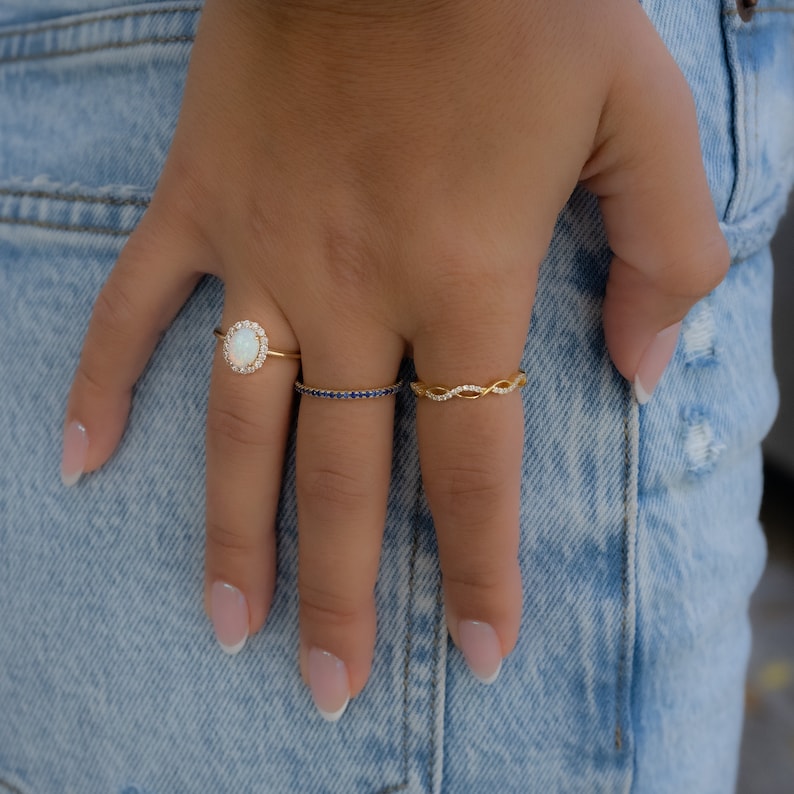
(469, 391)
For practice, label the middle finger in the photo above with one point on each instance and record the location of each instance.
(343, 466)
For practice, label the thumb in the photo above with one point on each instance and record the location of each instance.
(648, 174)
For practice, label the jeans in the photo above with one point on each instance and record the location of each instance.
(640, 542)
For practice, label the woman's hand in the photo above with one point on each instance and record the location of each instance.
(376, 178)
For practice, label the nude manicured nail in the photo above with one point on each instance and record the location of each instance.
(229, 611)
(654, 362)
(75, 450)
(329, 684)
(481, 650)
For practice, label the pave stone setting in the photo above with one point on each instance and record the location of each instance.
(469, 391)
(245, 347)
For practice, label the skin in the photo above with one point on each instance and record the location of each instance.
(366, 177)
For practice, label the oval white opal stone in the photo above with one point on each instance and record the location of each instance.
(243, 347)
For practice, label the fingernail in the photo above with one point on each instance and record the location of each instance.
(654, 362)
(329, 684)
(229, 611)
(75, 449)
(481, 649)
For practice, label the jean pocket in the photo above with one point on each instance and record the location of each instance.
(760, 57)
(89, 101)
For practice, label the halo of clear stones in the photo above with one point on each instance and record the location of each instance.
(261, 354)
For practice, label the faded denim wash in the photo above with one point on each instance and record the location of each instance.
(640, 541)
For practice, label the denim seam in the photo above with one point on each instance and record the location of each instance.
(65, 227)
(393, 789)
(624, 742)
(99, 48)
(733, 129)
(439, 636)
(407, 660)
(775, 10)
(624, 590)
(27, 31)
(115, 201)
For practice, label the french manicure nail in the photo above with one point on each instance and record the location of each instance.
(329, 684)
(229, 611)
(481, 650)
(75, 449)
(654, 362)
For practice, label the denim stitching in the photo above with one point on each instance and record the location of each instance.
(624, 585)
(99, 18)
(439, 637)
(392, 789)
(64, 227)
(408, 649)
(99, 47)
(43, 194)
(409, 643)
(778, 10)
(733, 79)
(407, 660)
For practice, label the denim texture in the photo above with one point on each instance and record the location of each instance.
(640, 542)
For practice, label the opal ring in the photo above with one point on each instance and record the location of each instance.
(469, 391)
(347, 394)
(245, 347)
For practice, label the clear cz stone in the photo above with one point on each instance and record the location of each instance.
(243, 347)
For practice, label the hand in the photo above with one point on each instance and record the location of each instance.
(375, 179)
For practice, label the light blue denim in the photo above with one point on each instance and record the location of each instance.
(640, 541)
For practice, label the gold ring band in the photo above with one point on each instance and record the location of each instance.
(245, 347)
(469, 391)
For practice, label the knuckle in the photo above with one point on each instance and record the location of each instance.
(467, 493)
(715, 261)
(349, 257)
(482, 583)
(227, 542)
(457, 271)
(90, 382)
(230, 420)
(332, 489)
(320, 605)
(115, 316)
(700, 273)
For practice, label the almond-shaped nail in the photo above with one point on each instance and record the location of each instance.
(329, 684)
(75, 450)
(229, 611)
(481, 649)
(654, 362)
